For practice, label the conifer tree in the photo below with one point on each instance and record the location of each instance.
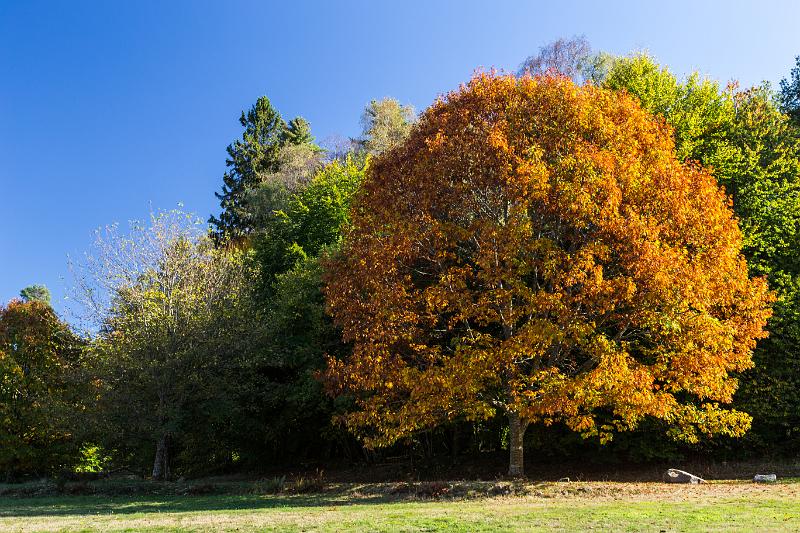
(255, 154)
(790, 93)
(298, 132)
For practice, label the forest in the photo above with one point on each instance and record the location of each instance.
(588, 259)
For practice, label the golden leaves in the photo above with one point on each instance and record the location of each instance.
(537, 247)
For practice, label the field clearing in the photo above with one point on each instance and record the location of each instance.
(461, 506)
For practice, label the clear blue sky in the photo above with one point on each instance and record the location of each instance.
(108, 108)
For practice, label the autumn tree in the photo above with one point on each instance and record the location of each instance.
(38, 395)
(754, 152)
(535, 249)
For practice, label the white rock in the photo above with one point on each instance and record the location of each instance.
(765, 478)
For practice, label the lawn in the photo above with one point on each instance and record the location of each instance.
(467, 506)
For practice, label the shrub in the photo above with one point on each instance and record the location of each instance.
(270, 486)
(310, 484)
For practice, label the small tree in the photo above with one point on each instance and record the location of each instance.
(569, 57)
(39, 355)
(535, 248)
(385, 124)
(298, 132)
(790, 93)
(38, 293)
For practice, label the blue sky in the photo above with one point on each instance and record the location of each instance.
(110, 108)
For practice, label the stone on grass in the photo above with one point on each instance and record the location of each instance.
(765, 478)
(674, 475)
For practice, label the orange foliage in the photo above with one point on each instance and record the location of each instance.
(536, 248)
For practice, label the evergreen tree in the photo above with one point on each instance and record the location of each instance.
(790, 93)
(298, 132)
(255, 154)
(38, 293)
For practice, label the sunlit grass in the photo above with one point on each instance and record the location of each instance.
(722, 506)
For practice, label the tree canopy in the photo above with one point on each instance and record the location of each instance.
(35, 293)
(790, 93)
(753, 150)
(536, 248)
(38, 357)
(589, 253)
(260, 152)
(385, 123)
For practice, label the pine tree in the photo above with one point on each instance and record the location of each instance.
(298, 132)
(253, 156)
(38, 293)
(790, 93)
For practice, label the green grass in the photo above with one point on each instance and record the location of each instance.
(544, 506)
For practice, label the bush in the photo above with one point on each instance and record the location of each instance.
(270, 486)
(310, 484)
(200, 489)
(81, 488)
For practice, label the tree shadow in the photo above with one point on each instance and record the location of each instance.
(124, 505)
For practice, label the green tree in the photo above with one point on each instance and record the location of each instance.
(283, 405)
(35, 292)
(173, 331)
(767, 200)
(309, 220)
(259, 153)
(790, 93)
(38, 357)
(255, 154)
(298, 132)
(385, 123)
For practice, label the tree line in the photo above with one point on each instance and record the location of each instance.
(577, 259)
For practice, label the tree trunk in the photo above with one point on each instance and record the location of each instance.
(516, 434)
(161, 462)
(456, 447)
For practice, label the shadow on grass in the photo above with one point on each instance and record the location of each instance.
(224, 500)
(104, 505)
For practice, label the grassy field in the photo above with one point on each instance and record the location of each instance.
(465, 506)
